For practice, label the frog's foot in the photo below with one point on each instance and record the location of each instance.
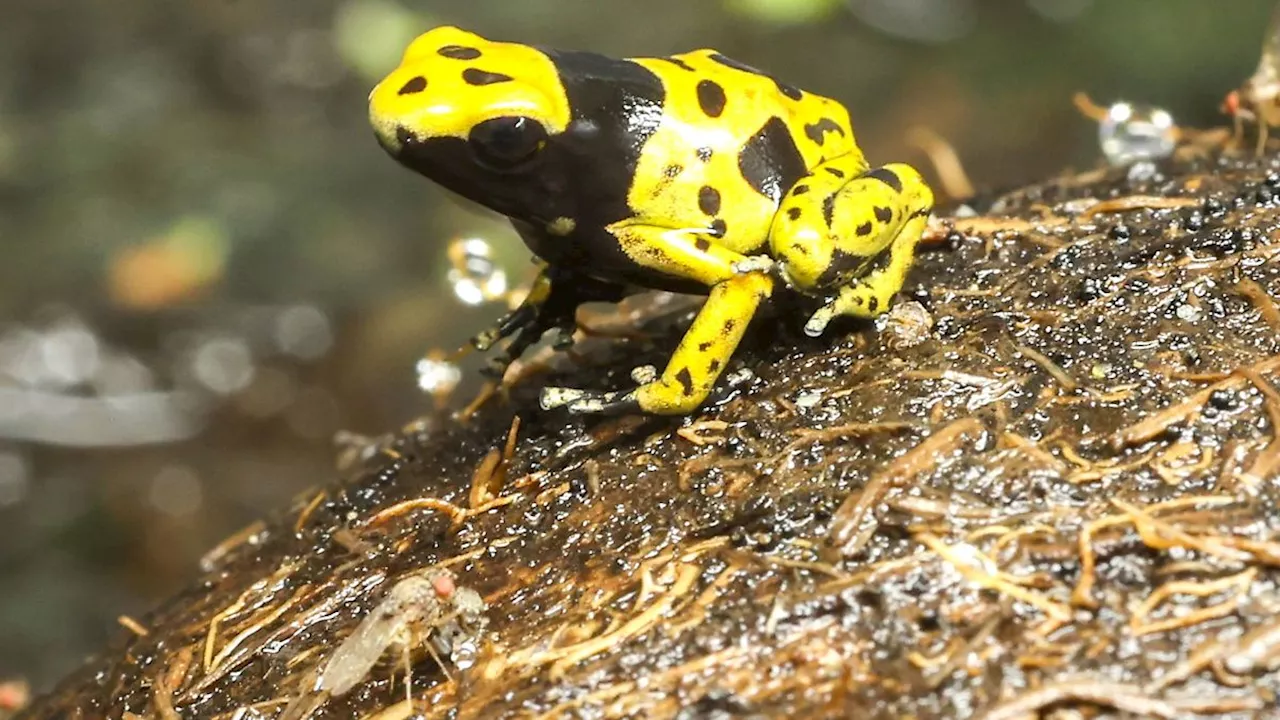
(496, 367)
(851, 236)
(871, 295)
(589, 402)
(512, 322)
(644, 374)
(656, 397)
(859, 300)
(725, 389)
(527, 323)
(583, 402)
(565, 330)
(754, 263)
(551, 304)
(678, 391)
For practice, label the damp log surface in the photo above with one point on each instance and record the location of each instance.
(1055, 487)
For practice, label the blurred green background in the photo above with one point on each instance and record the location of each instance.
(210, 267)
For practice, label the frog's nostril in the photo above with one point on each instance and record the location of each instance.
(395, 139)
(415, 84)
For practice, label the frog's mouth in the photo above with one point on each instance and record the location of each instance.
(442, 160)
(448, 162)
(395, 139)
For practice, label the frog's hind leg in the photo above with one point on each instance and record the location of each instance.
(851, 237)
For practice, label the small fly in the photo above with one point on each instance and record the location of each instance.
(422, 610)
(1258, 100)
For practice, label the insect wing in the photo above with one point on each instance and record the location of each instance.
(1268, 72)
(357, 655)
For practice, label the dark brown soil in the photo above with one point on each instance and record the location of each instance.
(1061, 497)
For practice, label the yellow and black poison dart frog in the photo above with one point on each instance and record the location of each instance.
(691, 173)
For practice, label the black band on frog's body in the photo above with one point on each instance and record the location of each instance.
(616, 107)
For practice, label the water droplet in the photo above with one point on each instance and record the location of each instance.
(304, 332)
(475, 277)
(464, 654)
(224, 365)
(1142, 171)
(1131, 133)
(437, 376)
(176, 491)
(808, 399)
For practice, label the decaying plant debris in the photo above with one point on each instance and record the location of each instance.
(1053, 490)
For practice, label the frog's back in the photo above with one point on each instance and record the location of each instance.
(695, 141)
(737, 135)
(706, 87)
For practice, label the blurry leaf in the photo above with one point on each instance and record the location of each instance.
(371, 35)
(8, 151)
(932, 21)
(1060, 10)
(782, 12)
(170, 268)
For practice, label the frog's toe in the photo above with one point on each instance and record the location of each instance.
(820, 319)
(613, 403)
(731, 384)
(495, 367)
(859, 300)
(565, 328)
(508, 324)
(485, 340)
(644, 374)
(557, 397)
(563, 340)
(755, 264)
(587, 402)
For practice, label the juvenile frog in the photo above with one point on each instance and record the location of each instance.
(692, 173)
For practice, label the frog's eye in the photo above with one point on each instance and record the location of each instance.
(505, 143)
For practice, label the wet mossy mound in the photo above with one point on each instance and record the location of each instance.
(1048, 485)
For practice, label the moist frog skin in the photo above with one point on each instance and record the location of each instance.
(692, 173)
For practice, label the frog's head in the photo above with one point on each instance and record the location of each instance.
(471, 114)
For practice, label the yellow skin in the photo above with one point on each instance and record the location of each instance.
(691, 172)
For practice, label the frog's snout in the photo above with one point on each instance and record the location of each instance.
(397, 141)
(392, 137)
(392, 133)
(387, 109)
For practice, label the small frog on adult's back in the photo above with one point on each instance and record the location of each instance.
(691, 173)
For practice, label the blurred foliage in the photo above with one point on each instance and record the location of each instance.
(194, 184)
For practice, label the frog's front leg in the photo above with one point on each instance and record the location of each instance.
(552, 302)
(737, 288)
(851, 231)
